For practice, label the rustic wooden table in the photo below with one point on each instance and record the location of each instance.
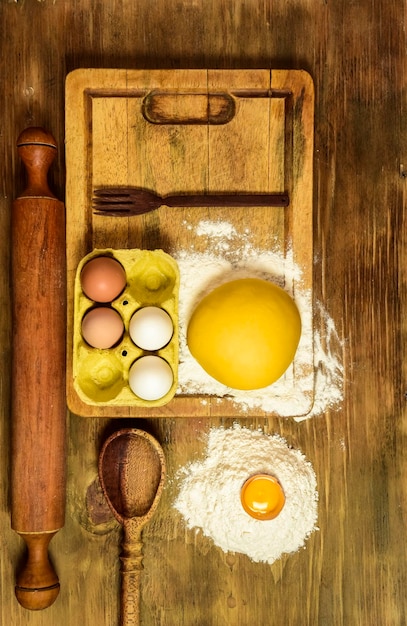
(353, 571)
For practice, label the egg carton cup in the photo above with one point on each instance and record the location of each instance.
(101, 376)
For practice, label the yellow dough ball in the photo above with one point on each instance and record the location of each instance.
(245, 333)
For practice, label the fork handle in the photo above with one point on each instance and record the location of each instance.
(227, 200)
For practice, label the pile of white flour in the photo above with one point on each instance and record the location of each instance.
(209, 494)
(209, 489)
(221, 262)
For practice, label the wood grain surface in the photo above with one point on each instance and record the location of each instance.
(353, 571)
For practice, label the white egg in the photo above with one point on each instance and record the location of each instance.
(150, 377)
(151, 328)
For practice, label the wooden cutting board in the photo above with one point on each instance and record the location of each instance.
(191, 131)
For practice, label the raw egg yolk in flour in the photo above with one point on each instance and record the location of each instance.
(245, 333)
(262, 497)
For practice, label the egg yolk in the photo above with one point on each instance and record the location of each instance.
(262, 497)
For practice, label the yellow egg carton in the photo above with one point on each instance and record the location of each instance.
(101, 375)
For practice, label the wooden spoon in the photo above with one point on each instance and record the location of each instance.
(131, 472)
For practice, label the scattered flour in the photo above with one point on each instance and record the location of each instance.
(211, 229)
(209, 494)
(318, 381)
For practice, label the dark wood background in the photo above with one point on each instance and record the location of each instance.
(354, 570)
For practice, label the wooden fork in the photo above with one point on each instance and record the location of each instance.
(126, 201)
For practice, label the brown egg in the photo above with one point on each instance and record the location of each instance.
(102, 327)
(103, 279)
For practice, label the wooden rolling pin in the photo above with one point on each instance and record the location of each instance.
(38, 370)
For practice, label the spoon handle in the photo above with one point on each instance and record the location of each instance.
(131, 566)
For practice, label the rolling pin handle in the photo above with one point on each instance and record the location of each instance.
(37, 585)
(37, 149)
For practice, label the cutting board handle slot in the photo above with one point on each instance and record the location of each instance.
(165, 107)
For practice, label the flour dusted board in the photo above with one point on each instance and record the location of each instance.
(191, 131)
